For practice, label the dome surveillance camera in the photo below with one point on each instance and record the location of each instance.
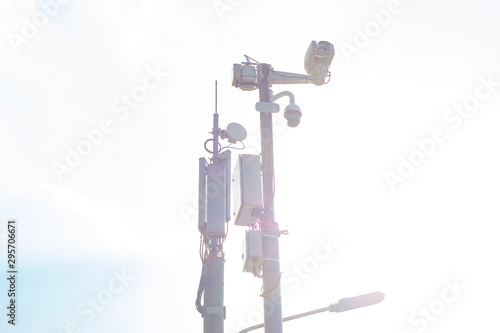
(292, 115)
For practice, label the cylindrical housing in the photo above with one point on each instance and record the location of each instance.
(213, 308)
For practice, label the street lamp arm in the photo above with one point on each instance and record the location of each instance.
(300, 315)
(251, 328)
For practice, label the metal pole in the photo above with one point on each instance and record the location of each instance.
(213, 298)
(270, 229)
(215, 133)
(212, 283)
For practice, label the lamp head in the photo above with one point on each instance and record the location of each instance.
(346, 304)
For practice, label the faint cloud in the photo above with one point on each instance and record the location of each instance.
(437, 307)
(4, 8)
(110, 222)
(363, 37)
(31, 25)
(453, 117)
(6, 145)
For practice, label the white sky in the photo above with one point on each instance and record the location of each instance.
(130, 203)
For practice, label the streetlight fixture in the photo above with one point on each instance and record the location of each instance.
(351, 303)
(344, 304)
(250, 76)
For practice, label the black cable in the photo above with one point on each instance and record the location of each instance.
(227, 231)
(208, 150)
(201, 248)
(268, 292)
(329, 77)
(254, 272)
(199, 294)
(230, 146)
(248, 59)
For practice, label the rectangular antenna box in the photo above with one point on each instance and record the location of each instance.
(252, 251)
(216, 200)
(247, 189)
(214, 195)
